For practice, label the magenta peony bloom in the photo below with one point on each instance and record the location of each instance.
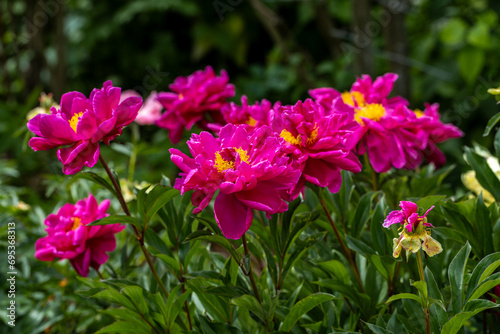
(250, 171)
(325, 97)
(430, 122)
(387, 129)
(251, 116)
(81, 123)
(414, 234)
(320, 144)
(151, 109)
(69, 237)
(192, 99)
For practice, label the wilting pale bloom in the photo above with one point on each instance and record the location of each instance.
(250, 170)
(415, 233)
(69, 237)
(438, 132)
(318, 143)
(196, 99)
(150, 111)
(46, 102)
(80, 124)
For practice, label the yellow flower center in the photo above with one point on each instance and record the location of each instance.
(181, 97)
(225, 159)
(77, 222)
(351, 97)
(419, 113)
(73, 122)
(288, 137)
(251, 121)
(297, 140)
(372, 111)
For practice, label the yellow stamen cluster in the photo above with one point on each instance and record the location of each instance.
(73, 122)
(419, 113)
(297, 140)
(251, 121)
(372, 111)
(351, 97)
(77, 222)
(223, 165)
(288, 137)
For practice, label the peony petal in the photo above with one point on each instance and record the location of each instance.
(261, 198)
(81, 263)
(431, 246)
(395, 217)
(234, 218)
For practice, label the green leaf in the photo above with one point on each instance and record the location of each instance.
(405, 296)
(470, 63)
(362, 214)
(429, 201)
(301, 247)
(453, 31)
(496, 144)
(377, 329)
(157, 198)
(422, 289)
(95, 178)
(209, 327)
(251, 304)
(215, 306)
(220, 240)
(302, 307)
(136, 295)
(471, 308)
(359, 246)
(487, 285)
(456, 277)
(113, 296)
(484, 174)
(337, 269)
(117, 219)
(483, 269)
(479, 35)
(484, 226)
(491, 124)
(125, 327)
(362, 300)
(376, 229)
(176, 306)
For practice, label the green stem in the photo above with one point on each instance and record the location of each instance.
(374, 174)
(139, 237)
(422, 278)
(348, 254)
(250, 275)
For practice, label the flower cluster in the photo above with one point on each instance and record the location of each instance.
(69, 237)
(388, 131)
(80, 124)
(414, 233)
(192, 99)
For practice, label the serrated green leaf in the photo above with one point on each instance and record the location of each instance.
(302, 307)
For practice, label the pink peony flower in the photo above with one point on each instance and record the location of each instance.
(81, 123)
(250, 171)
(317, 142)
(251, 116)
(387, 131)
(69, 237)
(151, 109)
(414, 234)
(199, 95)
(430, 122)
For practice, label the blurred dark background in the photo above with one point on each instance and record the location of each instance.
(444, 51)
